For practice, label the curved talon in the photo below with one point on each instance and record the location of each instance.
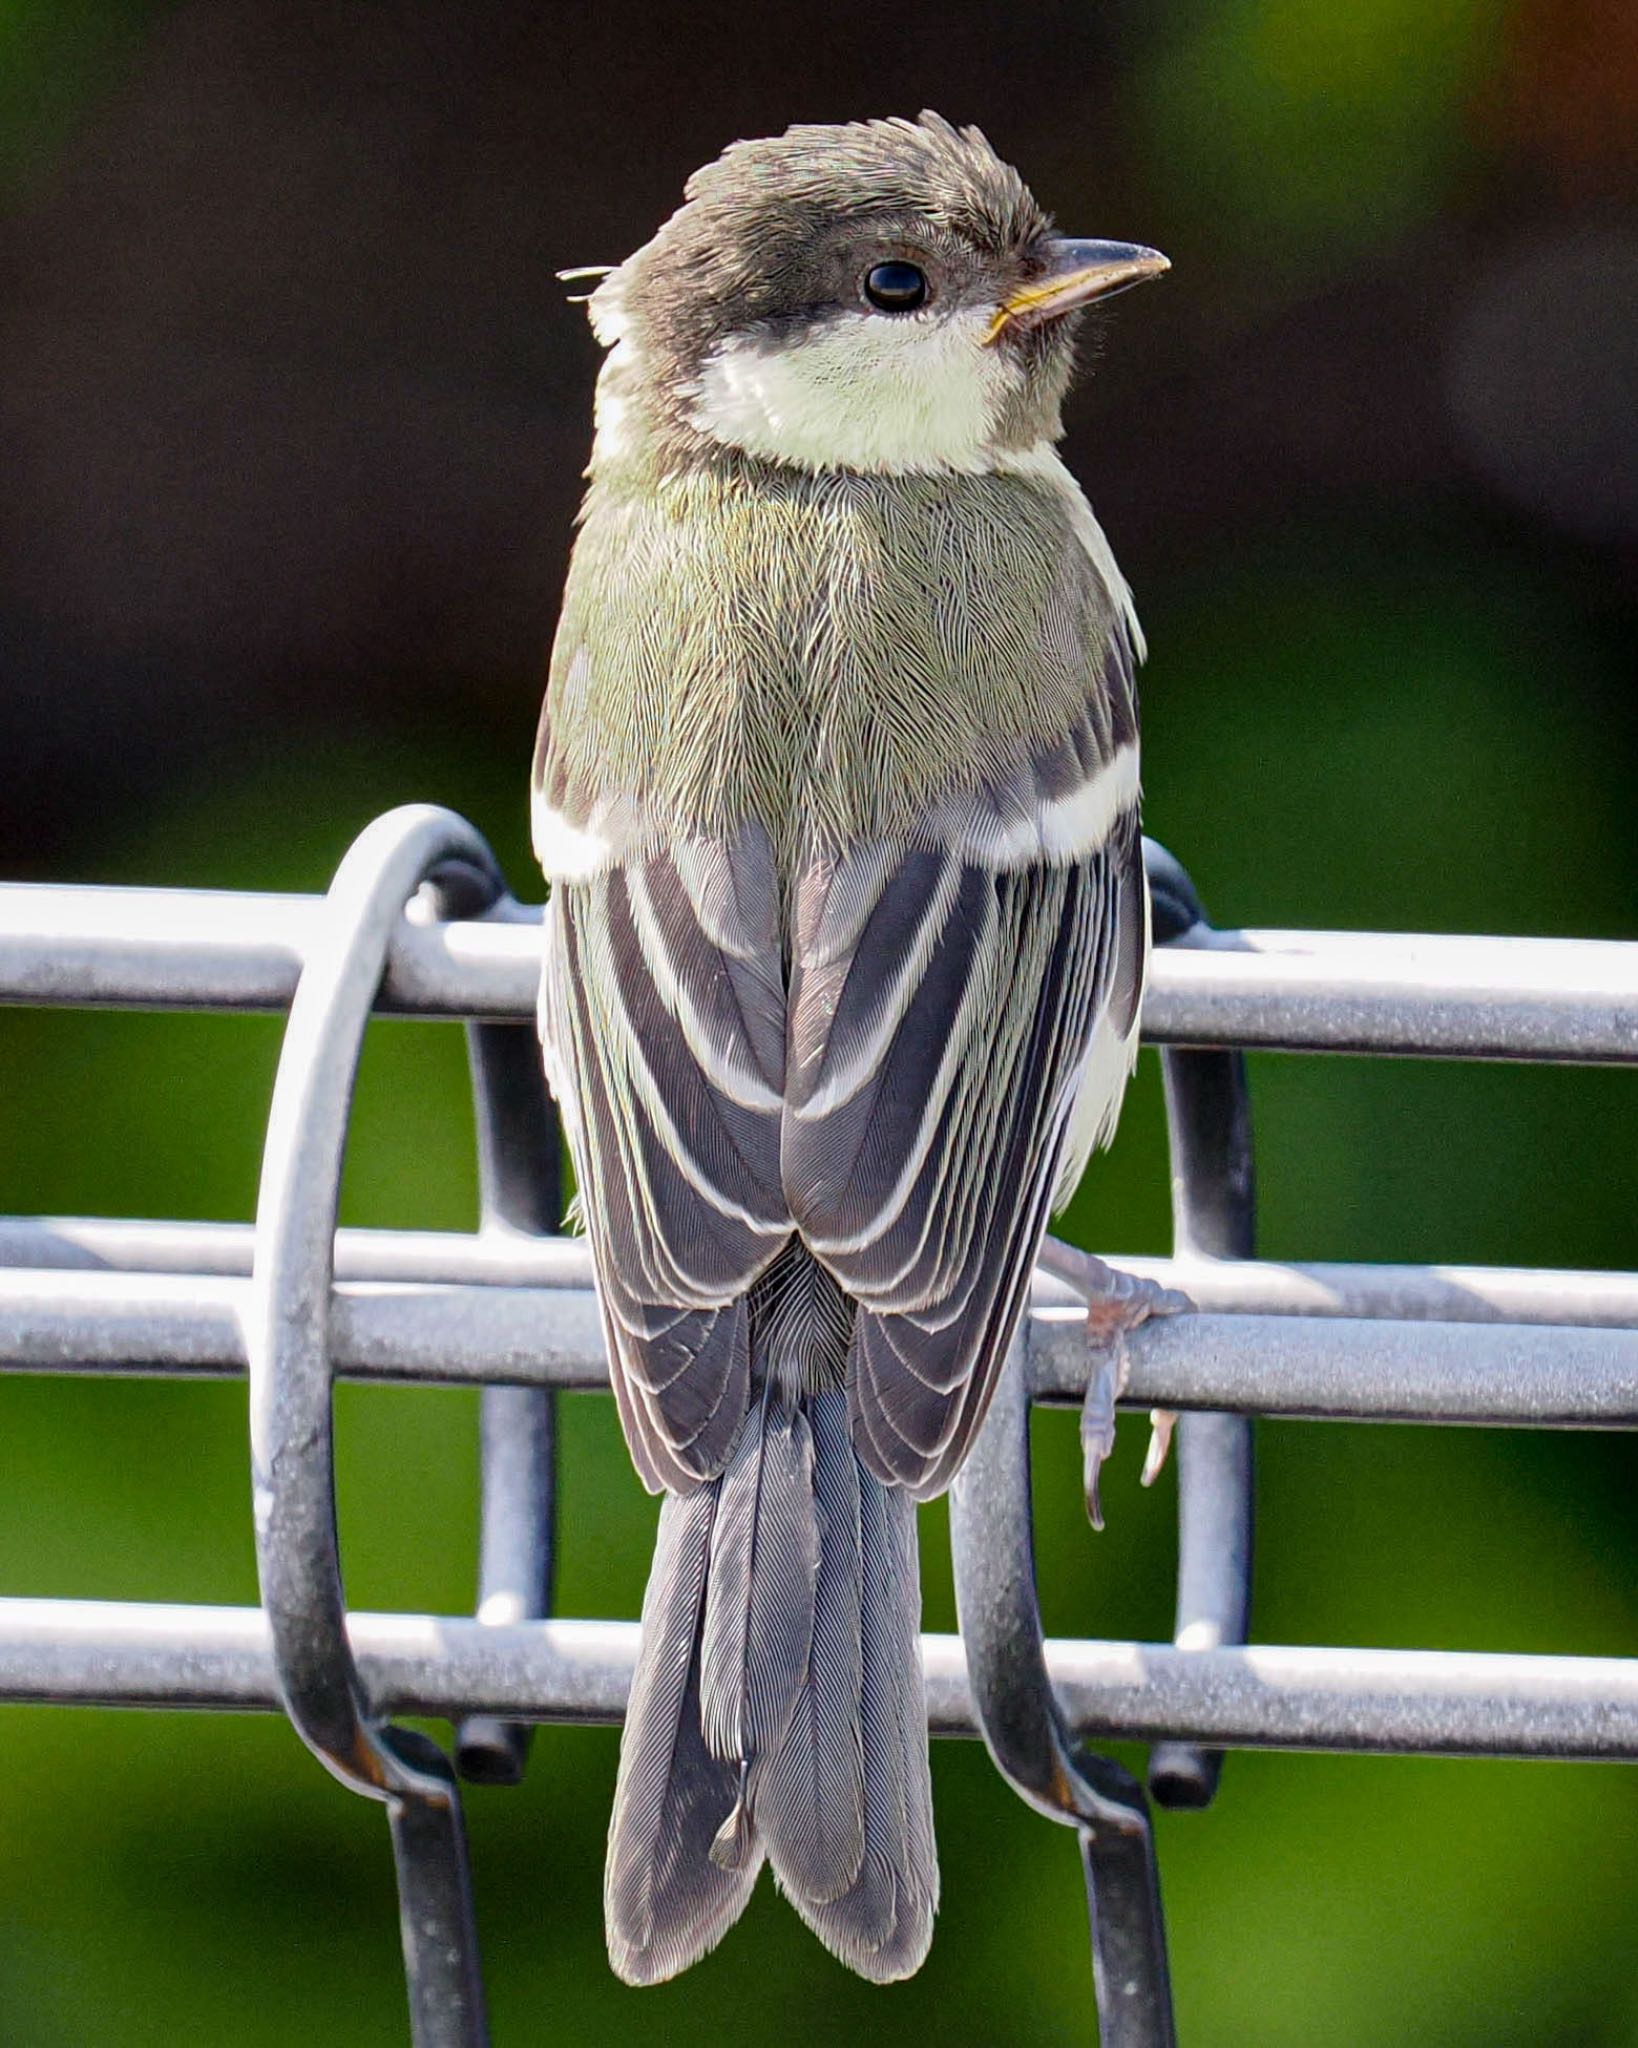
(1103, 1390)
(1162, 1421)
(1117, 1303)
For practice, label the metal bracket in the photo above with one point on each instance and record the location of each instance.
(291, 1417)
(515, 1315)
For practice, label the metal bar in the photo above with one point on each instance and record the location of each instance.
(91, 1243)
(517, 1554)
(1433, 1294)
(1499, 1374)
(175, 1325)
(1408, 993)
(1219, 1286)
(1214, 1549)
(520, 1188)
(1261, 1696)
(1018, 1713)
(172, 1324)
(1214, 1216)
(1131, 1975)
(1428, 994)
(288, 1312)
(437, 1920)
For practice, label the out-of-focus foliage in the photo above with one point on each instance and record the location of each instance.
(274, 587)
(1321, 132)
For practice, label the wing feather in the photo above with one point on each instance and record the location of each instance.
(942, 1035)
(663, 1017)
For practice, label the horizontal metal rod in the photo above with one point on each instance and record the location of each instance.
(1498, 1373)
(1539, 1376)
(1433, 994)
(188, 1325)
(1440, 1294)
(1407, 993)
(500, 1258)
(102, 1653)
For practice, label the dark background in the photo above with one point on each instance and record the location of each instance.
(291, 417)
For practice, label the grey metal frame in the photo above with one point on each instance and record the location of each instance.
(294, 1303)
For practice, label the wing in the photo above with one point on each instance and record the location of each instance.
(663, 1020)
(952, 1005)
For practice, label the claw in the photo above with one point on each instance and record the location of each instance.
(1162, 1421)
(1116, 1304)
(1103, 1389)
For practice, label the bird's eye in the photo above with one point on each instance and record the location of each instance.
(896, 287)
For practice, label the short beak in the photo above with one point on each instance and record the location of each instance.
(1078, 273)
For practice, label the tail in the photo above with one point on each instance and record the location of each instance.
(777, 1710)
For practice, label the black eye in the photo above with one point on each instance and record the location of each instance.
(896, 287)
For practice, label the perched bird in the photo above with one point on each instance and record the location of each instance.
(837, 794)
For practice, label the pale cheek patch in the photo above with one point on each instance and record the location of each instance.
(863, 392)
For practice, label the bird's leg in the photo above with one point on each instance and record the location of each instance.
(1116, 1303)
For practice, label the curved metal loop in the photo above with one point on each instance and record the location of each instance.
(1214, 1215)
(993, 1548)
(291, 1419)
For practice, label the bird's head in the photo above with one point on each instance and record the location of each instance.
(882, 296)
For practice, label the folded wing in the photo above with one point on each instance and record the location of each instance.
(953, 1002)
(663, 1018)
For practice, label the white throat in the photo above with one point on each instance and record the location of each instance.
(917, 393)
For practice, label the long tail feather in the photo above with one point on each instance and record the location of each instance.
(867, 1886)
(810, 1801)
(665, 1902)
(764, 1562)
(777, 1710)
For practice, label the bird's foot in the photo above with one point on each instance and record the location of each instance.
(1116, 1304)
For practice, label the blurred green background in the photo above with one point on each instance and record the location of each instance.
(292, 415)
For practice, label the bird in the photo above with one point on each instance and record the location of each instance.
(836, 793)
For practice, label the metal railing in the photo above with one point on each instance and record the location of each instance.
(295, 1303)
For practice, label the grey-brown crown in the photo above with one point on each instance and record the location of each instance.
(861, 169)
(776, 230)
